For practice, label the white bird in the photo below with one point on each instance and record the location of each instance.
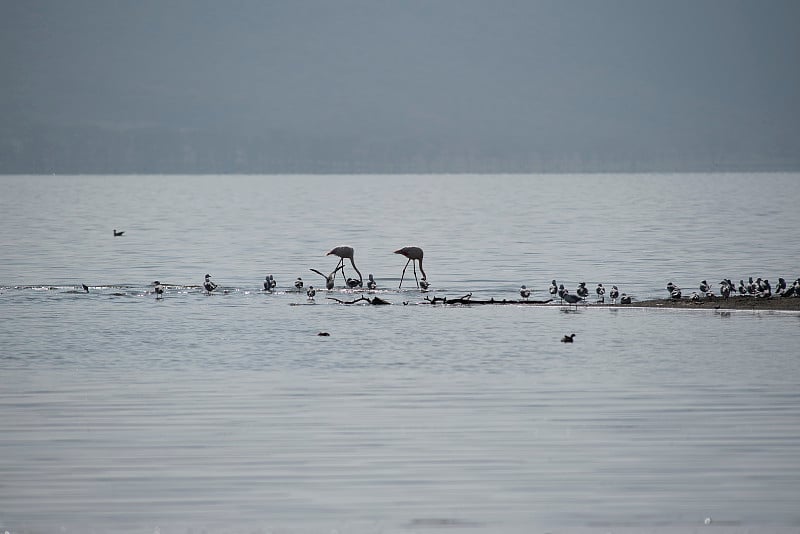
(298, 284)
(311, 292)
(614, 294)
(582, 290)
(601, 293)
(414, 254)
(553, 289)
(704, 287)
(345, 252)
(524, 292)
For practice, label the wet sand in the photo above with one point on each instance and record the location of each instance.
(732, 303)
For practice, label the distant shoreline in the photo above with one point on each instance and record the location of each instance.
(732, 303)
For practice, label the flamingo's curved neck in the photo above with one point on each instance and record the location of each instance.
(424, 276)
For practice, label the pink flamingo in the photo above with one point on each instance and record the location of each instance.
(345, 252)
(413, 254)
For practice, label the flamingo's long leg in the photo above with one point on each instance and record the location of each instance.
(404, 273)
(414, 265)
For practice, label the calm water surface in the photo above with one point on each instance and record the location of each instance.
(227, 413)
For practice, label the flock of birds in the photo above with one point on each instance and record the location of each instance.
(413, 254)
(581, 293)
(759, 288)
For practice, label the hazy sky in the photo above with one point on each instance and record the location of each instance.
(511, 74)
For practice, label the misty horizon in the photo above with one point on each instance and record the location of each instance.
(318, 87)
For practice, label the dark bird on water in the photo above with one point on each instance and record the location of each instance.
(414, 255)
(208, 285)
(625, 299)
(323, 334)
(158, 289)
(85, 287)
(568, 339)
(371, 283)
(117, 233)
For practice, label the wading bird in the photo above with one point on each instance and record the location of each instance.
(310, 292)
(298, 284)
(414, 254)
(346, 252)
(158, 289)
(371, 284)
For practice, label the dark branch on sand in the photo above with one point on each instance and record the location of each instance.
(467, 299)
(375, 301)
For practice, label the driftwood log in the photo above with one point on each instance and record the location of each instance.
(375, 301)
(467, 299)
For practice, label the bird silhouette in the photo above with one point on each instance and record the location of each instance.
(572, 299)
(310, 292)
(614, 294)
(524, 292)
(117, 233)
(414, 254)
(345, 252)
(568, 339)
(208, 285)
(298, 284)
(371, 284)
(158, 289)
(601, 293)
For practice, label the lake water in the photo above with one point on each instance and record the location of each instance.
(227, 413)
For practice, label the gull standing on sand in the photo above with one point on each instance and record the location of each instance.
(601, 293)
(614, 294)
(524, 292)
